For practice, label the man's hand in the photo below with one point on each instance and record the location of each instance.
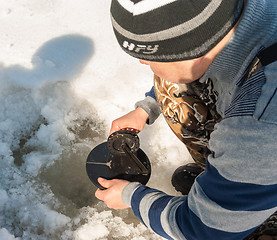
(135, 119)
(112, 195)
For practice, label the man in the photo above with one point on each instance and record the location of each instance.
(225, 47)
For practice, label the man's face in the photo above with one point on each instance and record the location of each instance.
(180, 72)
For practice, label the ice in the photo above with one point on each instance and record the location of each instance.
(63, 79)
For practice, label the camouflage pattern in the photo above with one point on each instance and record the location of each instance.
(266, 231)
(190, 112)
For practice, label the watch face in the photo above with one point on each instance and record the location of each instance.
(133, 166)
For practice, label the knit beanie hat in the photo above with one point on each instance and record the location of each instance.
(172, 30)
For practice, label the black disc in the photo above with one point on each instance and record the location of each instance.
(102, 163)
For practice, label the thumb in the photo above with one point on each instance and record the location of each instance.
(104, 182)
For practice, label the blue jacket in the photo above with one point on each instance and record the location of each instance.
(238, 190)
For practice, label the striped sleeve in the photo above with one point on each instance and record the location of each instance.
(236, 193)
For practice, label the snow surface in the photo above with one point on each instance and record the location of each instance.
(63, 79)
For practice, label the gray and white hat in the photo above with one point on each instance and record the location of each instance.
(172, 30)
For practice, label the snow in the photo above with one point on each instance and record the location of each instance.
(4, 234)
(63, 79)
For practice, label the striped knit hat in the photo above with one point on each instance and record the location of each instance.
(172, 30)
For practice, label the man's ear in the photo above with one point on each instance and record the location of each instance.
(146, 62)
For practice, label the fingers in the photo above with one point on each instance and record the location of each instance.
(135, 119)
(112, 195)
(114, 128)
(100, 194)
(104, 182)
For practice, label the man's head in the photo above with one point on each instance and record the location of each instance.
(173, 31)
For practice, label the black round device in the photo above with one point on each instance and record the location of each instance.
(119, 158)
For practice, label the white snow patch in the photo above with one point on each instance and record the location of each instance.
(63, 79)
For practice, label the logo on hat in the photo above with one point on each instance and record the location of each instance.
(138, 48)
